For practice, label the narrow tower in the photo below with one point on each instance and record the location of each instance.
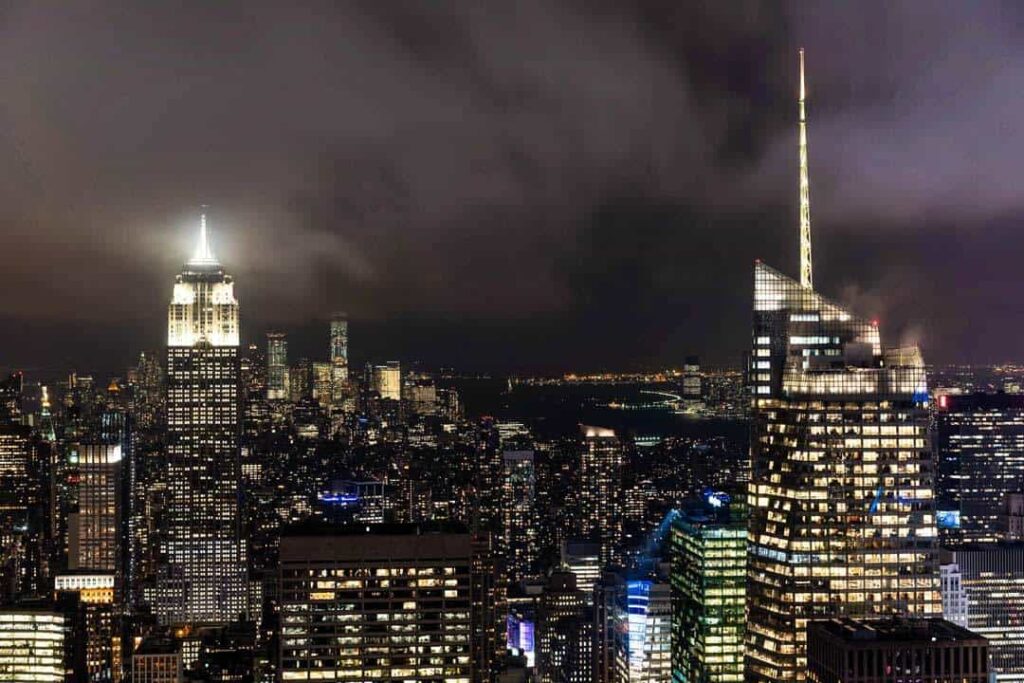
(806, 274)
(204, 577)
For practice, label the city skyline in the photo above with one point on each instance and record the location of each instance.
(550, 239)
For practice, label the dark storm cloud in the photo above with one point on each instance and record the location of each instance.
(540, 183)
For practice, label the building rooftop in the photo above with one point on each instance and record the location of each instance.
(894, 630)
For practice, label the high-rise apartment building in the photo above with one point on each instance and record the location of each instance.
(389, 602)
(992, 577)
(204, 575)
(519, 516)
(95, 534)
(886, 650)
(24, 512)
(980, 450)
(277, 366)
(842, 509)
(708, 579)
(600, 492)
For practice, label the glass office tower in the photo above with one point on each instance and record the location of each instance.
(842, 510)
(709, 563)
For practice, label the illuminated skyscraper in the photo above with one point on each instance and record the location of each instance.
(387, 380)
(519, 522)
(980, 448)
(35, 645)
(644, 633)
(339, 355)
(391, 602)
(565, 632)
(709, 561)
(204, 577)
(277, 366)
(94, 530)
(600, 492)
(992, 577)
(842, 509)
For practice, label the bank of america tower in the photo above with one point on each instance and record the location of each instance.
(842, 513)
(204, 577)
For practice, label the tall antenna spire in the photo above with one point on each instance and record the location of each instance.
(203, 256)
(806, 269)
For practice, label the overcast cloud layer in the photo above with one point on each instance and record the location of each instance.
(540, 184)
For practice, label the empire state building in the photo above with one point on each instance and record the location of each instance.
(204, 577)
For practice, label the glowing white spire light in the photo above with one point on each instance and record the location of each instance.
(203, 256)
(806, 273)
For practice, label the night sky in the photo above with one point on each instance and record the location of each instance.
(540, 184)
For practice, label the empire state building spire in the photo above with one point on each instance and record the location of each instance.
(202, 255)
(806, 270)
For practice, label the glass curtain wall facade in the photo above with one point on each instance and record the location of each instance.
(842, 509)
(709, 562)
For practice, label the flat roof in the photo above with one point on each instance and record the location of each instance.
(874, 631)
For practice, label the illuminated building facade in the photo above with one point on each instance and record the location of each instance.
(277, 366)
(565, 632)
(339, 356)
(519, 522)
(954, 597)
(600, 492)
(387, 380)
(872, 651)
(157, 660)
(23, 512)
(708, 579)
(391, 604)
(692, 380)
(204, 574)
(644, 633)
(842, 509)
(94, 530)
(34, 646)
(97, 617)
(993, 579)
(980, 449)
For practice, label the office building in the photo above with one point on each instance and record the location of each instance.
(25, 513)
(583, 560)
(203, 578)
(600, 492)
(35, 645)
(565, 632)
(519, 515)
(980, 450)
(644, 633)
(92, 598)
(692, 379)
(379, 602)
(992, 576)
(339, 356)
(157, 660)
(841, 496)
(873, 651)
(277, 366)
(387, 380)
(95, 538)
(708, 579)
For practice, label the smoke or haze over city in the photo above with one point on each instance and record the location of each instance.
(541, 184)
